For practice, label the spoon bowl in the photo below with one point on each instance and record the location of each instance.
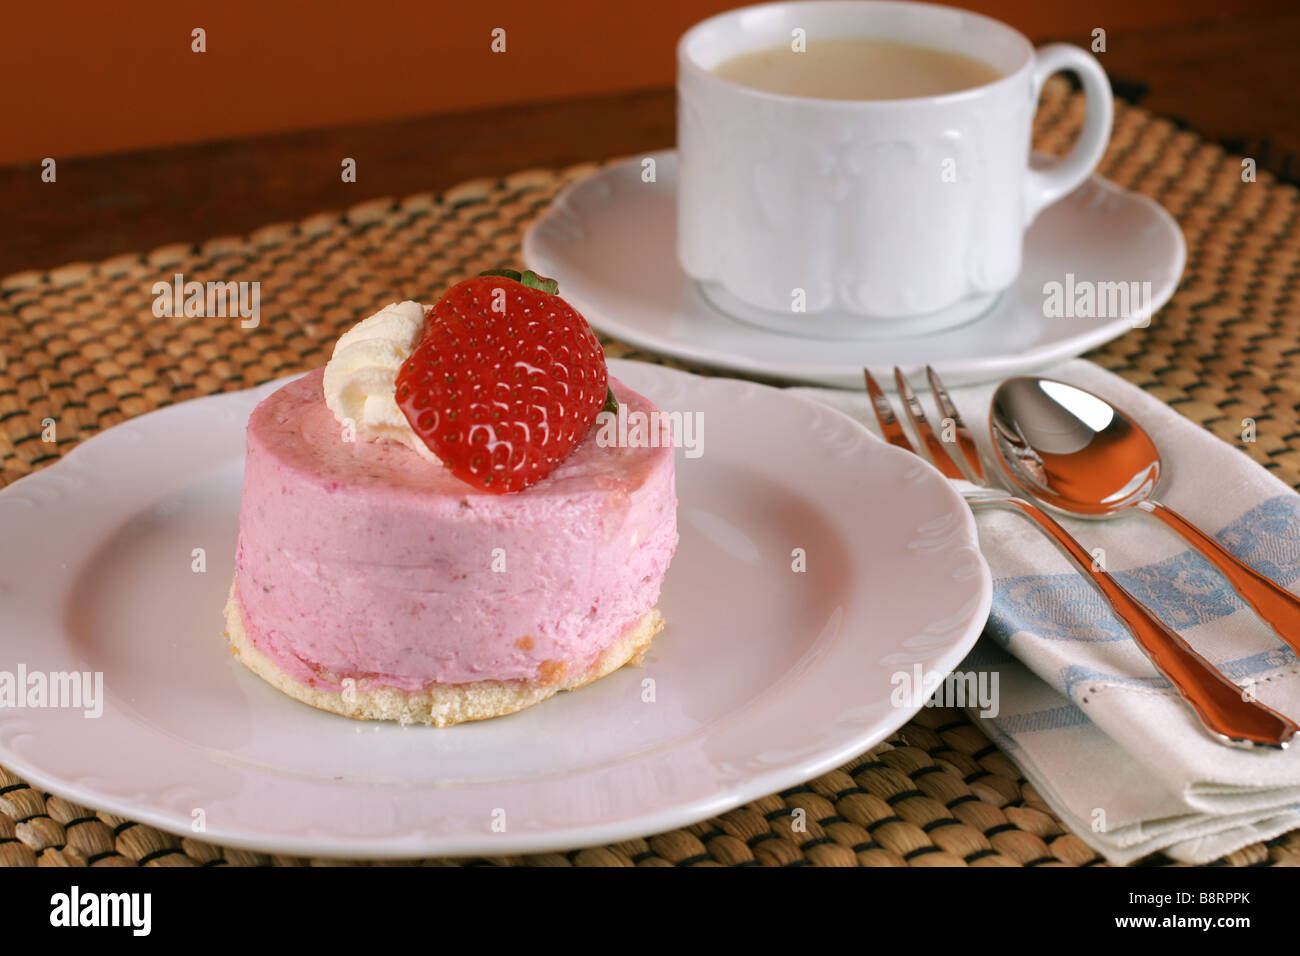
(1070, 449)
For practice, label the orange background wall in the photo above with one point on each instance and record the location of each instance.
(79, 78)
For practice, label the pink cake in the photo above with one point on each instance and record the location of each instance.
(371, 582)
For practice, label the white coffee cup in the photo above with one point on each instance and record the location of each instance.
(863, 218)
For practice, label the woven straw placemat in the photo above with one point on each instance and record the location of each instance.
(81, 345)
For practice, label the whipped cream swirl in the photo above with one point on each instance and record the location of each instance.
(360, 375)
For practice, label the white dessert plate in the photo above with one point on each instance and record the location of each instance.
(763, 678)
(610, 241)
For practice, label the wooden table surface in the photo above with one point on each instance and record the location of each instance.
(1230, 79)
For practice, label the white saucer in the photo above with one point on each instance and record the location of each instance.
(763, 678)
(610, 241)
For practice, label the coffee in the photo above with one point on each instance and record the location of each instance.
(856, 68)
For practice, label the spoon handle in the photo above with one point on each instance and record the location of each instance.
(1272, 602)
(1220, 703)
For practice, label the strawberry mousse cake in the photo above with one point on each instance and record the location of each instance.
(430, 531)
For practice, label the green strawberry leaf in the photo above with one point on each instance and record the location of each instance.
(529, 278)
(534, 281)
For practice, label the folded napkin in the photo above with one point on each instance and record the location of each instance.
(1100, 734)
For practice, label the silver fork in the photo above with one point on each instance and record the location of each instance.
(1224, 710)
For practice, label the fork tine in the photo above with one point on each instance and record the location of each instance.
(965, 440)
(889, 426)
(938, 454)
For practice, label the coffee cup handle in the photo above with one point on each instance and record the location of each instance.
(1045, 186)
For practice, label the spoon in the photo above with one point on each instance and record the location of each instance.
(1077, 453)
